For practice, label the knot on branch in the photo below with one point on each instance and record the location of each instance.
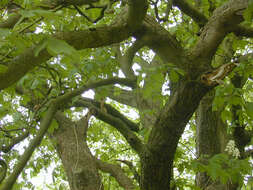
(215, 77)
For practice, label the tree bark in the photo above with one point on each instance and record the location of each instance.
(76, 157)
(211, 139)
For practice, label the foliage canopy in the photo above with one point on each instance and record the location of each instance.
(126, 94)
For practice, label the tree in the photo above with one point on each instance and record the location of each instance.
(180, 64)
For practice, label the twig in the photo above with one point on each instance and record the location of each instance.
(88, 18)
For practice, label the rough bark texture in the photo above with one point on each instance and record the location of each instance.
(158, 160)
(168, 122)
(211, 138)
(77, 160)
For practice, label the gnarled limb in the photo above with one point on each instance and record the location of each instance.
(224, 20)
(126, 60)
(118, 124)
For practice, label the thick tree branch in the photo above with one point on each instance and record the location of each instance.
(77, 160)
(23, 63)
(117, 173)
(126, 60)
(167, 130)
(136, 14)
(55, 3)
(118, 124)
(243, 31)
(224, 20)
(110, 110)
(162, 42)
(201, 19)
(124, 97)
(191, 11)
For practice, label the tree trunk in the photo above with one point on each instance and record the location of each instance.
(211, 139)
(76, 157)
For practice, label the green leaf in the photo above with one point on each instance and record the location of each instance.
(37, 12)
(226, 115)
(35, 83)
(27, 13)
(248, 13)
(4, 32)
(3, 112)
(55, 47)
(44, 13)
(174, 76)
(249, 109)
(40, 47)
(235, 100)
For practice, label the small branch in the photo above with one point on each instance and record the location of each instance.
(117, 173)
(188, 149)
(11, 130)
(115, 80)
(30, 25)
(126, 60)
(168, 8)
(46, 121)
(88, 18)
(82, 14)
(85, 119)
(243, 31)
(110, 110)
(191, 11)
(248, 153)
